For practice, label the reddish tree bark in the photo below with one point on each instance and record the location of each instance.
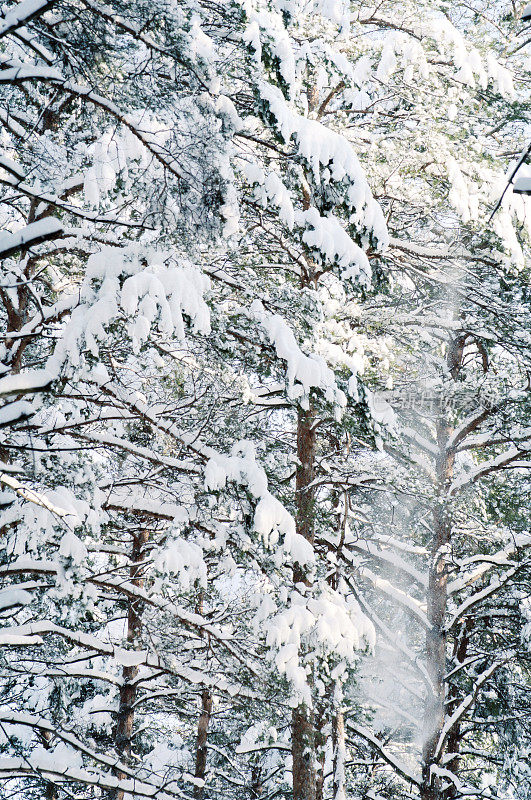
(338, 743)
(303, 728)
(201, 741)
(437, 599)
(123, 734)
(454, 738)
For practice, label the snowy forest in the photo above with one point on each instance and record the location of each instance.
(265, 400)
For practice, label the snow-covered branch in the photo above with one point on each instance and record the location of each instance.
(23, 12)
(398, 766)
(32, 234)
(413, 606)
(494, 586)
(464, 705)
(510, 459)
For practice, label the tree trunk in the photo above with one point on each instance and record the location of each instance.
(304, 478)
(320, 747)
(123, 737)
(202, 725)
(256, 782)
(51, 791)
(454, 737)
(435, 710)
(303, 751)
(201, 741)
(338, 745)
(303, 730)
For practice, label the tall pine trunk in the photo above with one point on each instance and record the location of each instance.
(437, 599)
(202, 726)
(320, 746)
(123, 735)
(454, 737)
(303, 728)
(201, 741)
(338, 745)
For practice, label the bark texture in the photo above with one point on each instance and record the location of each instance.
(454, 738)
(123, 735)
(437, 600)
(256, 782)
(303, 728)
(201, 741)
(303, 752)
(320, 718)
(338, 745)
(203, 722)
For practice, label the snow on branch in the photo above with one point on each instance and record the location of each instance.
(33, 633)
(401, 597)
(39, 723)
(468, 425)
(33, 380)
(138, 33)
(61, 773)
(510, 459)
(10, 166)
(463, 707)
(32, 496)
(271, 518)
(488, 562)
(56, 202)
(107, 440)
(32, 234)
(14, 412)
(495, 584)
(187, 618)
(17, 72)
(304, 372)
(453, 780)
(324, 149)
(22, 13)
(398, 766)
(327, 236)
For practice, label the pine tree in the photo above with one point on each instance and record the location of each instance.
(462, 402)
